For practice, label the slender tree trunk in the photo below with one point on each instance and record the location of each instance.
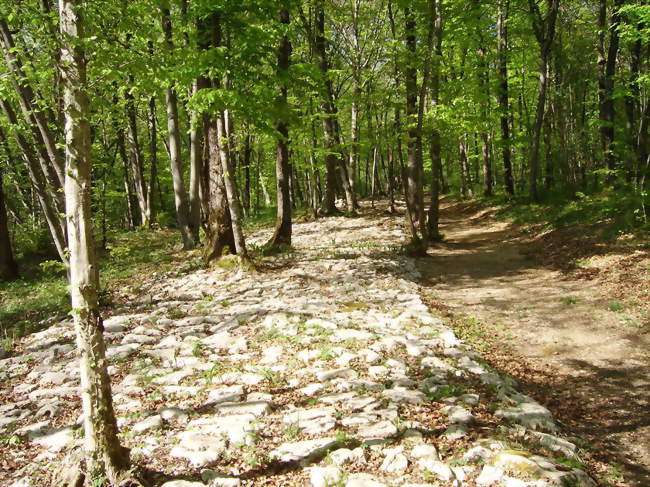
(180, 195)
(503, 95)
(230, 183)
(34, 117)
(153, 150)
(135, 161)
(413, 183)
(435, 148)
(606, 85)
(331, 134)
(544, 28)
(8, 267)
(196, 166)
(106, 459)
(47, 201)
(282, 233)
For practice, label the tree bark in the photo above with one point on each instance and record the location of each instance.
(544, 28)
(135, 161)
(8, 267)
(46, 199)
(219, 239)
(413, 183)
(606, 85)
(282, 233)
(435, 148)
(196, 166)
(153, 160)
(34, 117)
(230, 182)
(180, 195)
(503, 94)
(331, 135)
(106, 459)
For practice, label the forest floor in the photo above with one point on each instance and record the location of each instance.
(342, 362)
(565, 312)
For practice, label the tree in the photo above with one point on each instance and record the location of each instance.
(8, 267)
(106, 460)
(282, 233)
(544, 29)
(175, 159)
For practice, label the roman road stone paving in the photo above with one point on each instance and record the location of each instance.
(323, 369)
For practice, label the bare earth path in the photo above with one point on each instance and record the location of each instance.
(600, 367)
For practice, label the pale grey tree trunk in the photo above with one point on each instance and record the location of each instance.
(135, 161)
(236, 213)
(180, 195)
(106, 459)
(196, 166)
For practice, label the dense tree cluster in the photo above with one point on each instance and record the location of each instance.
(189, 109)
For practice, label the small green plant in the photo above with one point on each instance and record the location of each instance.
(341, 436)
(273, 377)
(615, 306)
(292, 430)
(441, 392)
(175, 313)
(568, 299)
(198, 349)
(212, 372)
(627, 321)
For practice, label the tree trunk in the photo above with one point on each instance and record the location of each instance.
(153, 149)
(282, 233)
(34, 117)
(606, 85)
(135, 161)
(230, 183)
(105, 459)
(196, 166)
(435, 148)
(180, 195)
(544, 29)
(413, 183)
(47, 201)
(246, 195)
(8, 267)
(504, 105)
(331, 134)
(218, 227)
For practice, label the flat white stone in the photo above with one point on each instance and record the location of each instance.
(54, 440)
(199, 449)
(225, 394)
(324, 476)
(344, 456)
(425, 451)
(174, 413)
(337, 373)
(292, 452)
(378, 430)
(311, 389)
(399, 395)
(256, 408)
(437, 468)
(154, 422)
(395, 461)
(363, 480)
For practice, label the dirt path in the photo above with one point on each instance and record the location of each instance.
(598, 366)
